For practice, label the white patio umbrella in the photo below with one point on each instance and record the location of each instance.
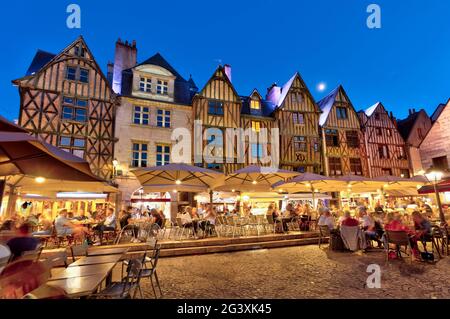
(359, 183)
(255, 179)
(395, 182)
(308, 182)
(180, 177)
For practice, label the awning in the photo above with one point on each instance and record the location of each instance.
(442, 187)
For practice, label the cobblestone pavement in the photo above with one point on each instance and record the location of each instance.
(297, 272)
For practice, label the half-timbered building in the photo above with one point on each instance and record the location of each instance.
(386, 148)
(66, 100)
(413, 129)
(216, 107)
(257, 116)
(297, 117)
(343, 141)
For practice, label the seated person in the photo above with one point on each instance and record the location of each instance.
(63, 225)
(348, 220)
(422, 225)
(326, 219)
(156, 217)
(187, 220)
(22, 242)
(125, 217)
(45, 226)
(209, 221)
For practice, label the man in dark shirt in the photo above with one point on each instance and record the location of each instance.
(22, 242)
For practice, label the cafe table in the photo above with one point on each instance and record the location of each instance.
(82, 271)
(107, 251)
(93, 260)
(75, 287)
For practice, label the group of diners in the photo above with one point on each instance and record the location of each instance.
(300, 213)
(375, 224)
(82, 227)
(203, 219)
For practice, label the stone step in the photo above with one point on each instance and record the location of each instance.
(223, 241)
(174, 252)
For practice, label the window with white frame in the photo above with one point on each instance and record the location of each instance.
(145, 85)
(141, 115)
(140, 154)
(162, 154)
(163, 118)
(162, 87)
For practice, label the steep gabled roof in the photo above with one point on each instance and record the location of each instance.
(220, 69)
(40, 59)
(406, 125)
(438, 112)
(159, 60)
(326, 104)
(369, 111)
(183, 90)
(56, 57)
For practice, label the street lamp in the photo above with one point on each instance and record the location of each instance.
(435, 176)
(115, 163)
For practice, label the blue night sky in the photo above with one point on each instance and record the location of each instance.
(404, 64)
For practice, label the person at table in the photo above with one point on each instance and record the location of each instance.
(287, 216)
(64, 227)
(368, 224)
(422, 225)
(156, 217)
(394, 223)
(378, 208)
(187, 221)
(124, 220)
(22, 242)
(348, 220)
(426, 209)
(209, 221)
(326, 219)
(45, 225)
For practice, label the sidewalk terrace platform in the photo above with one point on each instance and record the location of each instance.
(174, 248)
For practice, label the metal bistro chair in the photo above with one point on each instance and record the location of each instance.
(271, 223)
(127, 287)
(125, 235)
(436, 239)
(324, 233)
(78, 250)
(150, 272)
(34, 255)
(183, 228)
(399, 239)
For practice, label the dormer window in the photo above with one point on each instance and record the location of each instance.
(145, 85)
(255, 104)
(162, 88)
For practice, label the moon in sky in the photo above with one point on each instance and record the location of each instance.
(321, 86)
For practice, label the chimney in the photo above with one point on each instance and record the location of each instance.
(273, 93)
(227, 69)
(110, 72)
(414, 111)
(410, 111)
(125, 57)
